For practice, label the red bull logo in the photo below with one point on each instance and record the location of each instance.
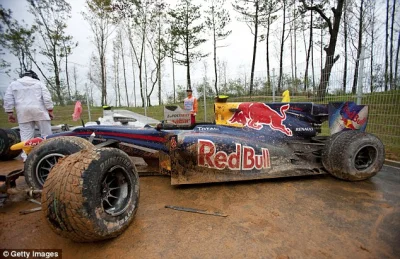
(244, 157)
(256, 115)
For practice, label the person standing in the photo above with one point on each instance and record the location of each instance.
(190, 104)
(33, 105)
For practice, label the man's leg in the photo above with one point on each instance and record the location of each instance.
(27, 131)
(45, 128)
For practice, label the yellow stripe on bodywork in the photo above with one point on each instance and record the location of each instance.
(223, 114)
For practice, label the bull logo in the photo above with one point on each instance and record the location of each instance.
(256, 115)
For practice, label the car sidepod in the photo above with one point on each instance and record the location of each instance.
(215, 153)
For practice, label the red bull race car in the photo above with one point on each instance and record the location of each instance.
(90, 176)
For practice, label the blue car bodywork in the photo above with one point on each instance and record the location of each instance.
(247, 141)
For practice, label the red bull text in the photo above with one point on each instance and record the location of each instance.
(244, 157)
(256, 115)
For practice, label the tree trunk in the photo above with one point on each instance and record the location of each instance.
(359, 47)
(123, 67)
(310, 44)
(371, 76)
(396, 82)
(66, 74)
(173, 77)
(254, 49)
(57, 77)
(330, 50)
(215, 54)
(134, 78)
(391, 46)
(189, 85)
(267, 49)
(282, 44)
(159, 61)
(386, 45)
(295, 42)
(345, 49)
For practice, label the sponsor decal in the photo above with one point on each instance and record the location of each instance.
(199, 128)
(243, 158)
(256, 115)
(33, 142)
(352, 116)
(304, 129)
(173, 143)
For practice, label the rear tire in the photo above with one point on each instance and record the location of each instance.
(43, 157)
(353, 155)
(8, 137)
(91, 195)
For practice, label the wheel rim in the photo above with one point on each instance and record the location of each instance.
(365, 157)
(116, 191)
(45, 165)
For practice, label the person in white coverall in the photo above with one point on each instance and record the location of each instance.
(33, 105)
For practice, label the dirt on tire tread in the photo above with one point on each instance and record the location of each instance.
(79, 231)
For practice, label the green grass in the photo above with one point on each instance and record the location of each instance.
(384, 115)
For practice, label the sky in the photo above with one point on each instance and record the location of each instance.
(237, 54)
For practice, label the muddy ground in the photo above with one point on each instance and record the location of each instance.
(304, 217)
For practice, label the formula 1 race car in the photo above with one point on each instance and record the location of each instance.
(92, 193)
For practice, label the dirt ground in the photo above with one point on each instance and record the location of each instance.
(304, 217)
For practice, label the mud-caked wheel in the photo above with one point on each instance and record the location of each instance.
(43, 157)
(91, 195)
(8, 137)
(353, 155)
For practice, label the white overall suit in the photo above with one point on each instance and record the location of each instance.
(32, 102)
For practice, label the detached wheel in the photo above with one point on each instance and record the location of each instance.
(353, 155)
(8, 137)
(43, 157)
(91, 195)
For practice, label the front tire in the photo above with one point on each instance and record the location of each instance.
(8, 137)
(91, 195)
(353, 155)
(43, 157)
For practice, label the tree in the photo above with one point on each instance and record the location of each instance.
(271, 7)
(333, 27)
(137, 17)
(116, 56)
(396, 67)
(359, 47)
(310, 45)
(391, 46)
(251, 11)
(345, 33)
(158, 47)
(50, 18)
(386, 45)
(187, 29)
(99, 17)
(68, 45)
(17, 39)
(121, 42)
(217, 19)
(283, 39)
(171, 44)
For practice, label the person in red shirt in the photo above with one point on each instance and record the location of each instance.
(190, 104)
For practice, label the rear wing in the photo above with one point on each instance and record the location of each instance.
(347, 116)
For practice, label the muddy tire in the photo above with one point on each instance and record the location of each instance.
(43, 157)
(8, 137)
(91, 195)
(353, 155)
